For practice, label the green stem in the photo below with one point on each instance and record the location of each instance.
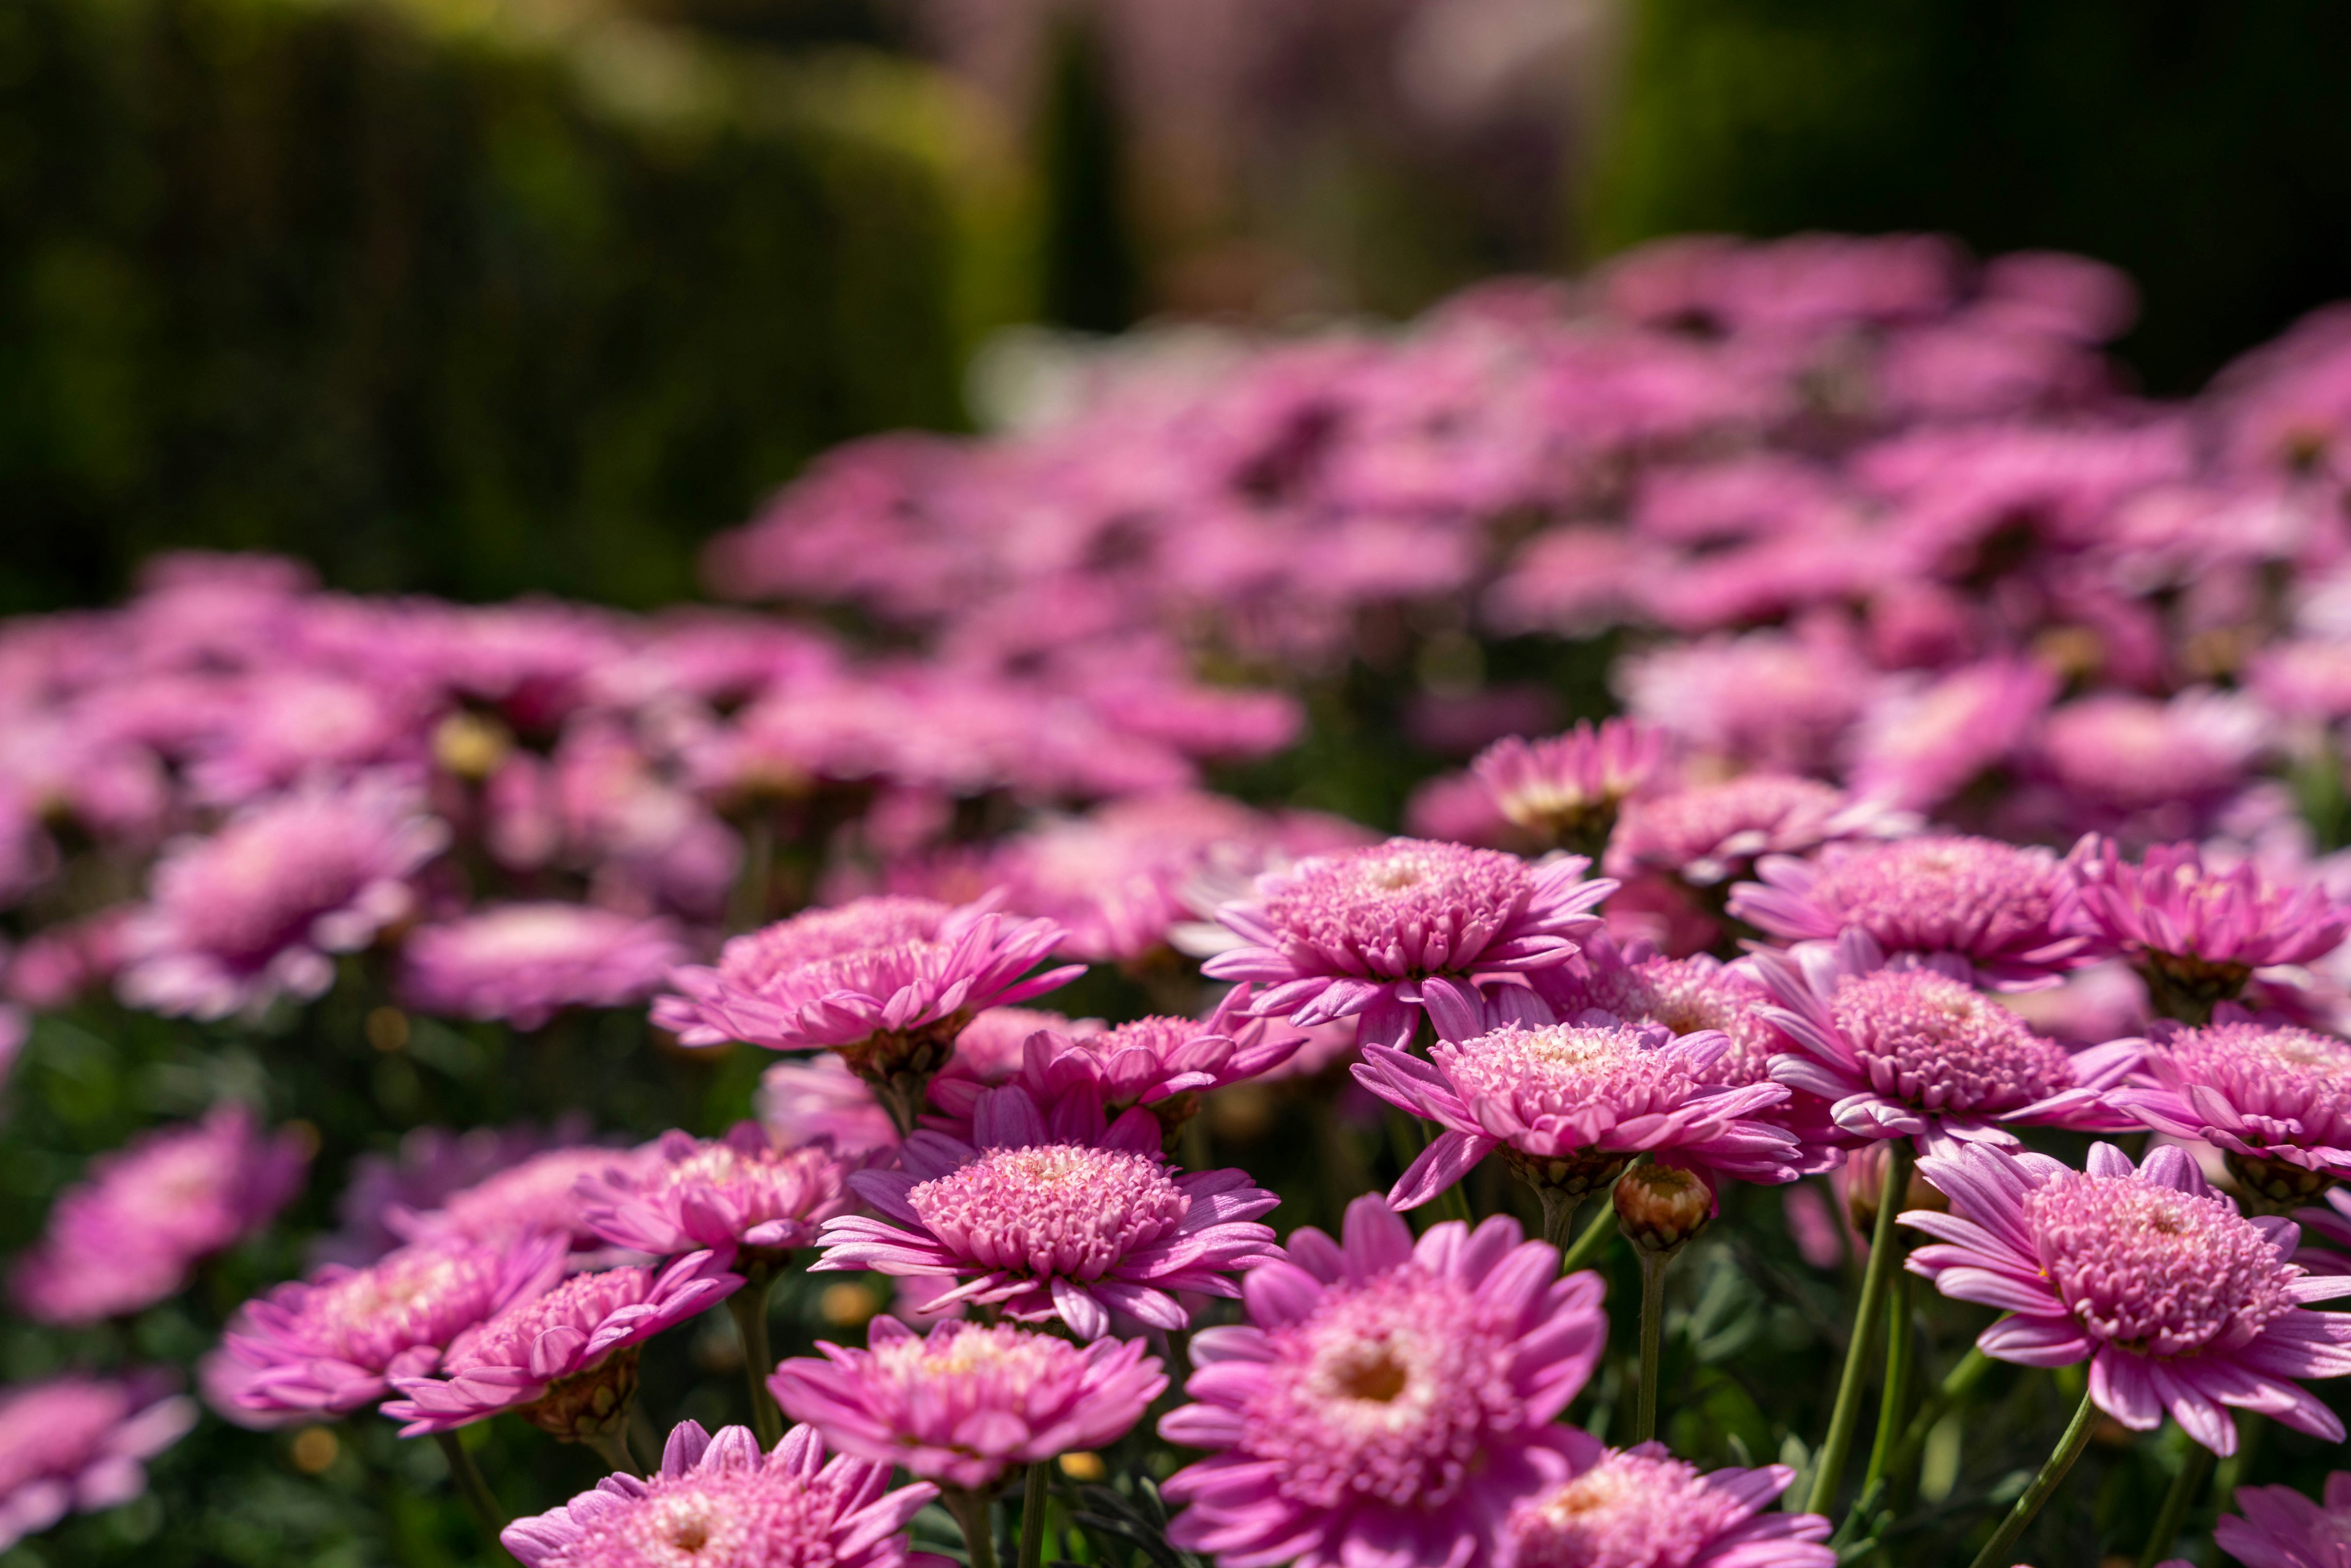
(1847, 1415)
(1653, 1336)
(1996, 1552)
(1590, 1244)
(612, 1446)
(2185, 1487)
(748, 1307)
(1032, 1516)
(1896, 1390)
(1956, 1385)
(466, 1476)
(1559, 1207)
(970, 1510)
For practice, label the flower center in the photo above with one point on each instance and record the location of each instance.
(2153, 1269)
(1929, 1042)
(1060, 1209)
(734, 1519)
(1626, 1512)
(1562, 1067)
(2294, 1086)
(1938, 895)
(1405, 907)
(998, 1356)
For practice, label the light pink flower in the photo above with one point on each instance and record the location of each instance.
(965, 1403)
(2276, 1098)
(1765, 699)
(2176, 1300)
(719, 1500)
(524, 962)
(800, 1102)
(540, 1192)
(2197, 931)
(1919, 746)
(432, 1163)
(1641, 1508)
(737, 1194)
(77, 1445)
(1075, 1219)
(1566, 789)
(1388, 1400)
(1707, 835)
(290, 724)
(2277, 1527)
(2122, 754)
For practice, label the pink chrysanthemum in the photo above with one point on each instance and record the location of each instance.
(2277, 1099)
(1912, 1054)
(256, 911)
(800, 1102)
(2280, 1528)
(736, 1194)
(326, 1346)
(2195, 931)
(77, 1445)
(1707, 835)
(721, 1502)
(524, 962)
(2176, 1299)
(1918, 746)
(1567, 789)
(1391, 1400)
(565, 1359)
(126, 1238)
(540, 1192)
(967, 1403)
(432, 1163)
(1641, 1508)
(1378, 934)
(1074, 1221)
(1570, 1103)
(1982, 911)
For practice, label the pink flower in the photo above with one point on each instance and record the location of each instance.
(1075, 1219)
(1388, 1401)
(2176, 1299)
(1766, 699)
(800, 1102)
(1641, 1508)
(719, 1500)
(2280, 1528)
(127, 1237)
(540, 1192)
(1571, 1103)
(431, 1164)
(2119, 754)
(1708, 834)
(288, 724)
(739, 1193)
(1917, 747)
(2197, 932)
(77, 1445)
(565, 1359)
(1566, 789)
(1911, 1053)
(1982, 911)
(523, 963)
(1378, 934)
(256, 911)
(331, 1344)
(2277, 1099)
(967, 1403)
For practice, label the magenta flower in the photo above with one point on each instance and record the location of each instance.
(1918, 747)
(2277, 1099)
(1569, 1104)
(1988, 913)
(77, 1445)
(965, 1403)
(524, 963)
(1075, 1221)
(1641, 1508)
(2280, 1528)
(1708, 834)
(331, 1344)
(1912, 1054)
(1388, 1401)
(565, 1359)
(719, 1500)
(2196, 932)
(431, 1164)
(1567, 789)
(800, 1102)
(736, 1194)
(127, 1237)
(2176, 1299)
(540, 1192)
(256, 911)
(1381, 933)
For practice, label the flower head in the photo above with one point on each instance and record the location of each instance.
(540, 1192)
(2280, 1528)
(2197, 932)
(1712, 832)
(2176, 1299)
(720, 1502)
(1380, 932)
(1567, 789)
(800, 1102)
(1641, 1508)
(1985, 912)
(1073, 1220)
(967, 1403)
(736, 1193)
(77, 1445)
(1388, 1399)
(524, 962)
(2277, 1099)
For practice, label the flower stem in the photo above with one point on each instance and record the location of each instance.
(2185, 1487)
(1559, 1207)
(1652, 1335)
(1847, 1415)
(1996, 1552)
(612, 1446)
(971, 1510)
(1032, 1516)
(1956, 1385)
(466, 1476)
(1590, 1245)
(1896, 1390)
(748, 1307)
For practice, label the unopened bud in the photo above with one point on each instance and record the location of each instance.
(1658, 1208)
(1863, 1178)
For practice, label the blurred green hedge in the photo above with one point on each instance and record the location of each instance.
(442, 300)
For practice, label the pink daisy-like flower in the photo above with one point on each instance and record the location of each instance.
(739, 1194)
(802, 1102)
(1641, 1508)
(330, 1344)
(2277, 1527)
(127, 1237)
(1073, 1220)
(1913, 1053)
(720, 1501)
(1707, 835)
(432, 1163)
(1567, 789)
(565, 1359)
(2276, 1098)
(2176, 1299)
(1381, 933)
(1569, 1104)
(77, 1445)
(1388, 1401)
(1985, 912)
(967, 1403)
(540, 1192)
(523, 963)
(256, 911)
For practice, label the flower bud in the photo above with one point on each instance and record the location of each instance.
(1658, 1208)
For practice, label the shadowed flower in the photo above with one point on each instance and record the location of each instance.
(1073, 1220)
(1388, 1401)
(2280, 1528)
(800, 1102)
(1381, 933)
(432, 1163)
(2276, 1098)
(967, 1403)
(540, 1192)
(1918, 747)
(523, 963)
(736, 1194)
(1641, 1508)
(1566, 789)
(720, 1501)
(77, 1445)
(1707, 835)
(2176, 1299)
